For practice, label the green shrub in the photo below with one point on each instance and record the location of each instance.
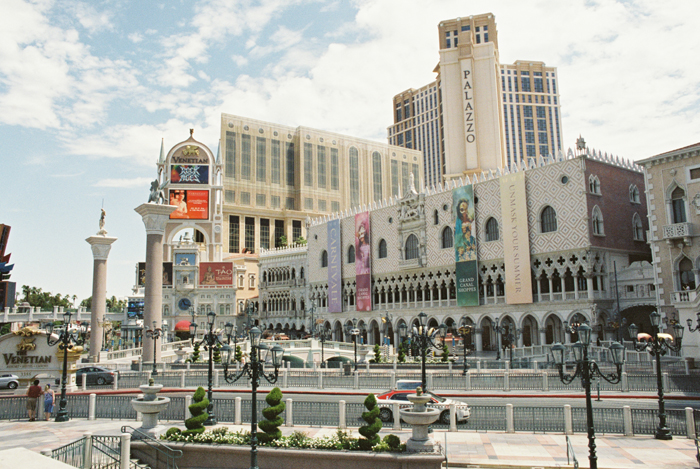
(272, 417)
(173, 431)
(445, 353)
(393, 441)
(239, 354)
(195, 354)
(374, 424)
(402, 353)
(195, 424)
(216, 356)
(377, 353)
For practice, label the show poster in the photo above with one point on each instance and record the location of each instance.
(335, 277)
(167, 274)
(189, 174)
(191, 204)
(216, 273)
(363, 263)
(516, 242)
(465, 246)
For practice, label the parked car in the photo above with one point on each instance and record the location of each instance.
(94, 375)
(9, 381)
(411, 384)
(386, 405)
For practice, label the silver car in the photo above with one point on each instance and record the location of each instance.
(9, 381)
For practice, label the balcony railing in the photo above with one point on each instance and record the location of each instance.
(683, 296)
(678, 230)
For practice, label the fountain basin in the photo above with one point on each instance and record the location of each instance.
(149, 406)
(420, 418)
(159, 404)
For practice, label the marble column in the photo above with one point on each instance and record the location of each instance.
(155, 217)
(101, 245)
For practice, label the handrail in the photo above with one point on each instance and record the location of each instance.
(570, 450)
(170, 454)
(697, 449)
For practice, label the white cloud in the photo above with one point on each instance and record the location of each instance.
(91, 19)
(135, 37)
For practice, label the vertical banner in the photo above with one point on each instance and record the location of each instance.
(465, 246)
(335, 283)
(516, 241)
(363, 263)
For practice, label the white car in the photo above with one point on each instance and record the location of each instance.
(386, 405)
(9, 381)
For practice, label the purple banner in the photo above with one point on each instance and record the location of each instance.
(335, 277)
(363, 263)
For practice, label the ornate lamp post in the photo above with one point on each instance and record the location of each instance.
(425, 339)
(512, 335)
(354, 332)
(690, 324)
(254, 369)
(248, 308)
(465, 332)
(499, 331)
(210, 340)
(587, 369)
(154, 334)
(65, 340)
(312, 311)
(657, 345)
(323, 336)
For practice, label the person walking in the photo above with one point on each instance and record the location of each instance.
(49, 399)
(33, 394)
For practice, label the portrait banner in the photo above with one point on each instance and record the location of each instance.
(191, 204)
(216, 273)
(189, 174)
(516, 240)
(335, 277)
(465, 246)
(363, 263)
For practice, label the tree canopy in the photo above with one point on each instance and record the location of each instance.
(45, 300)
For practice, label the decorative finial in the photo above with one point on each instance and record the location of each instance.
(191, 132)
(102, 231)
(580, 143)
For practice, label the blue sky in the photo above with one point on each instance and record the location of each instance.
(89, 89)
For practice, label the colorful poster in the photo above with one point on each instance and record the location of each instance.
(185, 259)
(189, 174)
(167, 274)
(191, 204)
(335, 277)
(363, 263)
(216, 273)
(465, 246)
(516, 241)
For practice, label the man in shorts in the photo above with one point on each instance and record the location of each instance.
(33, 394)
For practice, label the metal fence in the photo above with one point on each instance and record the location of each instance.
(538, 419)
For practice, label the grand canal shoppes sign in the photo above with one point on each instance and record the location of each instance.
(26, 353)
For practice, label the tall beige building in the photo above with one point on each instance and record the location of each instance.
(275, 176)
(673, 195)
(478, 114)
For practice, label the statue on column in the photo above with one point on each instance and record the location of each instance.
(102, 231)
(157, 195)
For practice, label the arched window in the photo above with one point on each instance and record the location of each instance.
(324, 259)
(411, 250)
(436, 217)
(594, 184)
(686, 274)
(548, 220)
(597, 221)
(351, 255)
(301, 273)
(491, 229)
(634, 194)
(382, 249)
(678, 205)
(447, 238)
(637, 228)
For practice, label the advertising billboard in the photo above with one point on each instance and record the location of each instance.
(465, 246)
(216, 273)
(167, 274)
(363, 263)
(191, 204)
(134, 308)
(335, 277)
(516, 241)
(189, 174)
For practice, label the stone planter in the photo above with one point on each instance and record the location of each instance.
(204, 456)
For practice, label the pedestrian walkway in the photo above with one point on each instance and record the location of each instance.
(464, 449)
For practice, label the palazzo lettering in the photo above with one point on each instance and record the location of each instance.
(470, 132)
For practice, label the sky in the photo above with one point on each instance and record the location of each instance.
(88, 89)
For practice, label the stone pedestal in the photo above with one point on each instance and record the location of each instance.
(420, 419)
(155, 217)
(101, 245)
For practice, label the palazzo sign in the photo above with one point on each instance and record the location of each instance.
(516, 243)
(468, 106)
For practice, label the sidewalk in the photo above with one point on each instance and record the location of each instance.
(464, 449)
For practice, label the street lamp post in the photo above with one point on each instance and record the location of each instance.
(154, 334)
(587, 369)
(657, 345)
(354, 332)
(425, 340)
(248, 308)
(499, 330)
(312, 311)
(254, 369)
(323, 336)
(512, 337)
(465, 332)
(210, 340)
(65, 340)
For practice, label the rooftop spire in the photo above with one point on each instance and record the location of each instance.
(161, 160)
